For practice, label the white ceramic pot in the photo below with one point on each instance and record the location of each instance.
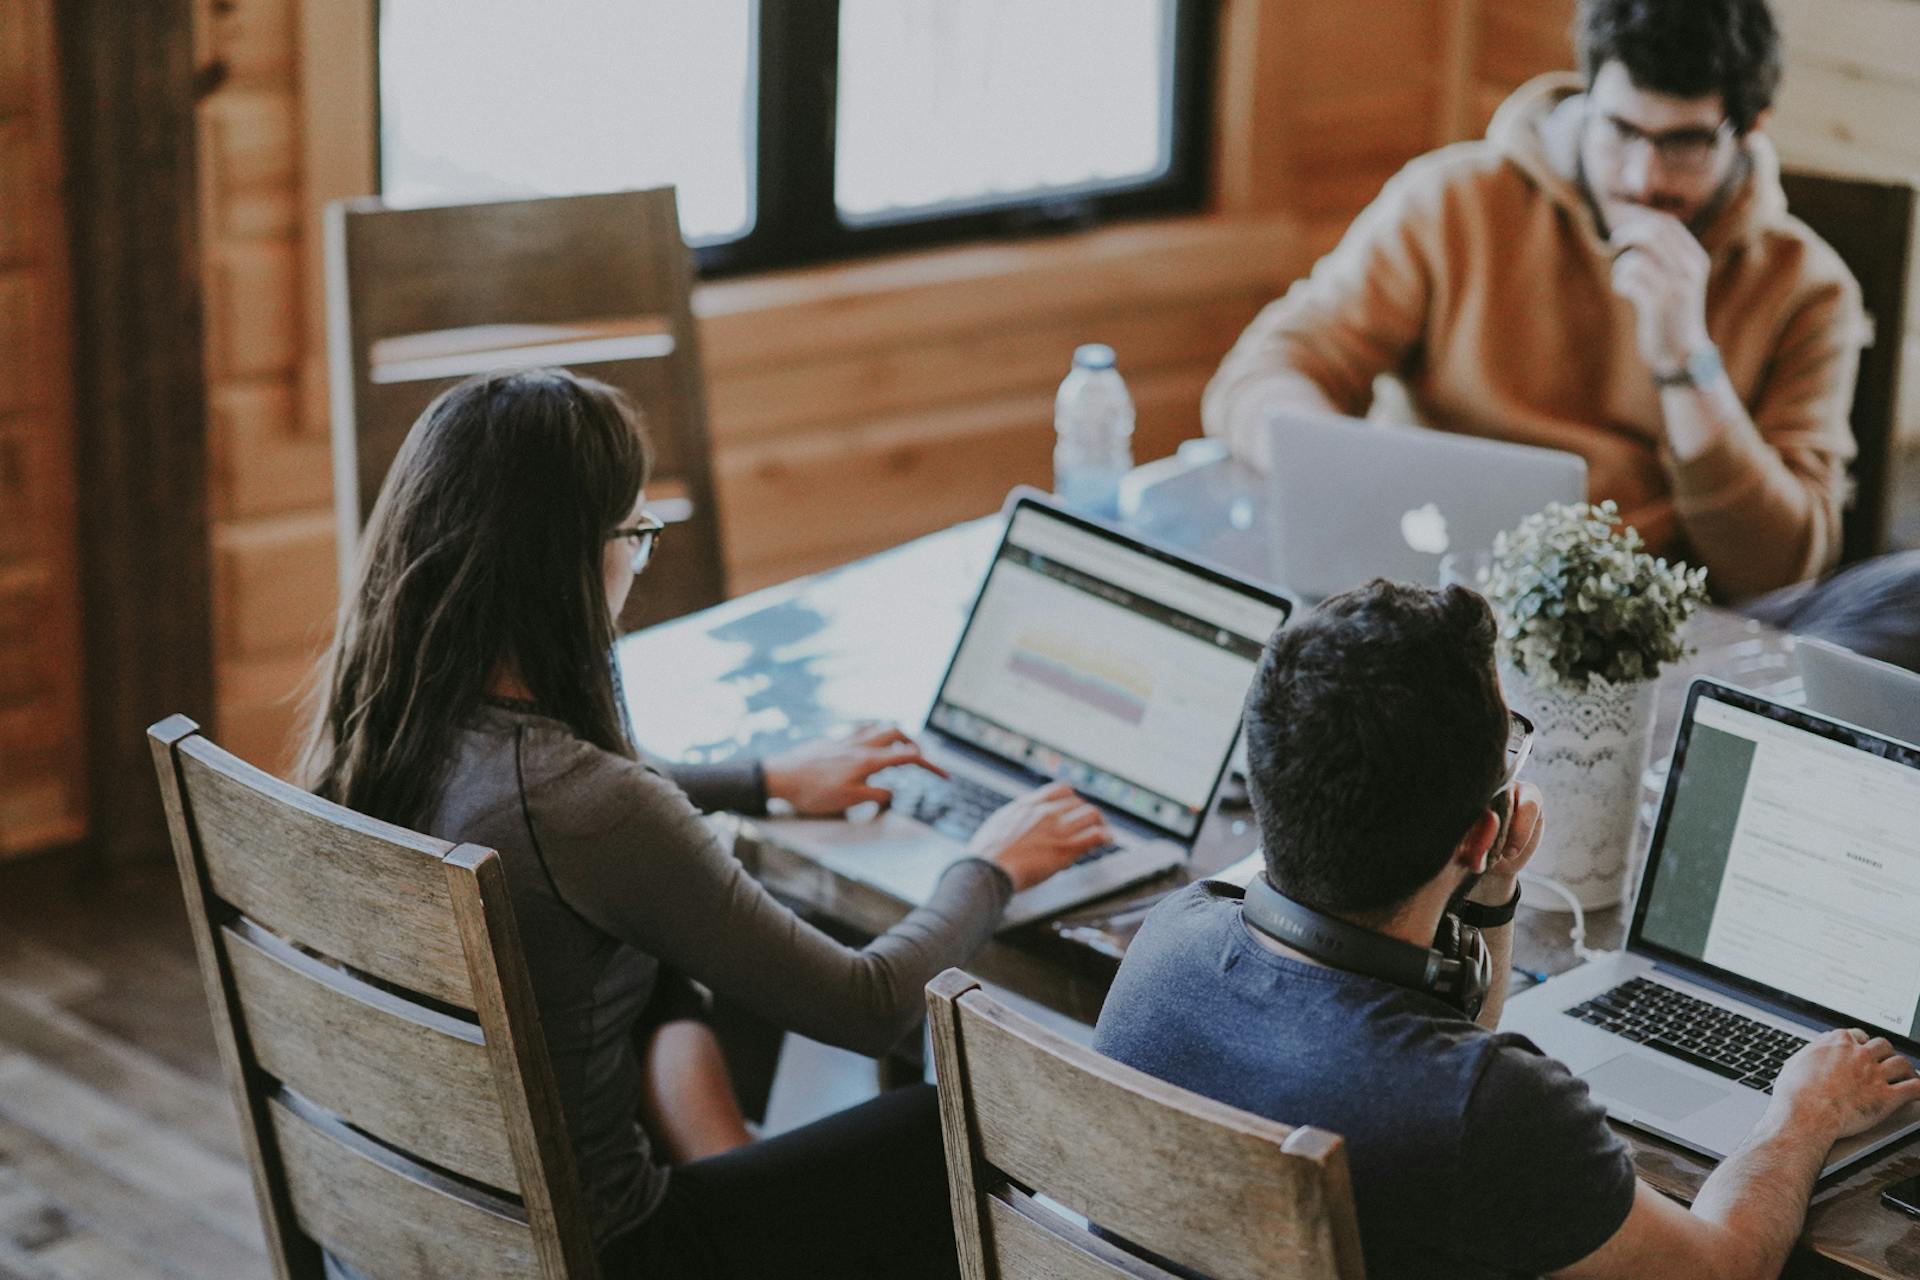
(1589, 754)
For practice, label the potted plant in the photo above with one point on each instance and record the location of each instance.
(1587, 620)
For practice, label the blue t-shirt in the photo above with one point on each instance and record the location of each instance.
(1473, 1154)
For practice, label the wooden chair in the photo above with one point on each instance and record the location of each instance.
(418, 299)
(373, 1010)
(1027, 1113)
(1871, 225)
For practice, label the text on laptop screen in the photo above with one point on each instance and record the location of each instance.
(1789, 859)
(1092, 662)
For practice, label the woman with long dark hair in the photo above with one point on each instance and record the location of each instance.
(470, 694)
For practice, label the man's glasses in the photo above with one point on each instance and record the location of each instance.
(1519, 747)
(645, 535)
(1679, 150)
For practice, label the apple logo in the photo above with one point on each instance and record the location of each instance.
(1425, 530)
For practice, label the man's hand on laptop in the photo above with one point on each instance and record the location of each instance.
(1034, 835)
(1841, 1084)
(832, 775)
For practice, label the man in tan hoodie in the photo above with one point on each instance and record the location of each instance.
(1613, 271)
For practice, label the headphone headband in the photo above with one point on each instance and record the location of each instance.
(1454, 978)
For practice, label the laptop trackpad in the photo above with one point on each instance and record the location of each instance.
(1650, 1088)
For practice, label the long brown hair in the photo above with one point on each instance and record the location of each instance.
(483, 554)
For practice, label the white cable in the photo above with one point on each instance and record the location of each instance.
(1578, 933)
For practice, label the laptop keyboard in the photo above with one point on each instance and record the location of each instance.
(955, 806)
(1692, 1030)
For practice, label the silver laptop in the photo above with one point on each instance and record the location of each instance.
(1356, 500)
(1089, 656)
(1860, 690)
(1780, 899)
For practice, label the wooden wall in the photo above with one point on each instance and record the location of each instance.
(42, 760)
(1850, 104)
(270, 480)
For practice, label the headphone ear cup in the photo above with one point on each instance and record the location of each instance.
(1476, 970)
(1469, 959)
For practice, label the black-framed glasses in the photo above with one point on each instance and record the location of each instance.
(1519, 746)
(646, 536)
(1689, 150)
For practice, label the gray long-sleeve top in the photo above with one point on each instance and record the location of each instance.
(613, 873)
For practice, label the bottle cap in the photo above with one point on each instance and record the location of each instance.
(1093, 355)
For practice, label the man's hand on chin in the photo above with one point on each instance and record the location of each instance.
(1662, 270)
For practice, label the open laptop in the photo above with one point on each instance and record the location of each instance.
(1356, 500)
(1089, 656)
(1860, 690)
(1780, 899)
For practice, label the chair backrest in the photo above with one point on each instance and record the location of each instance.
(1870, 224)
(1027, 1113)
(372, 1007)
(419, 298)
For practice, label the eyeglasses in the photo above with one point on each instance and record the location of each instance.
(1680, 150)
(1519, 747)
(645, 535)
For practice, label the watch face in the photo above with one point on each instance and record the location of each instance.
(1703, 366)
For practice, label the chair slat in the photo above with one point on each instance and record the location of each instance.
(388, 1217)
(340, 886)
(1254, 1198)
(406, 1074)
(1023, 1248)
(552, 260)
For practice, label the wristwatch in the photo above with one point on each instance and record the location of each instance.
(1700, 368)
(1485, 917)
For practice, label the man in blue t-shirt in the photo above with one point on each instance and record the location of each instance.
(1376, 734)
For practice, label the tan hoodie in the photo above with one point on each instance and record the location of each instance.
(1480, 278)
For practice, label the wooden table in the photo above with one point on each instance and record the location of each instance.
(871, 639)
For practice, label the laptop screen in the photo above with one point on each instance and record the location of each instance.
(1116, 667)
(1786, 861)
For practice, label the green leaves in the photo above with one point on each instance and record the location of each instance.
(1578, 599)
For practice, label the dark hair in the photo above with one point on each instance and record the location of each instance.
(1687, 48)
(484, 551)
(1376, 734)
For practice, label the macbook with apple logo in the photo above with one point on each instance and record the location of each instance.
(1354, 500)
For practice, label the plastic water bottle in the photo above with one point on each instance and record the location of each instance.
(1093, 428)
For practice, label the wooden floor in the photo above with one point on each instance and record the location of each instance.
(119, 1151)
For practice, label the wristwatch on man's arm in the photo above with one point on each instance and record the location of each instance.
(1698, 370)
(1483, 917)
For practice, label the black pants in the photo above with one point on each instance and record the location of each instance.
(862, 1193)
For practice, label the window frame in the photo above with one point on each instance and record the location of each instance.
(796, 54)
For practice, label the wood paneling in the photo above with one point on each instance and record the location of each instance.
(42, 765)
(1847, 106)
(271, 482)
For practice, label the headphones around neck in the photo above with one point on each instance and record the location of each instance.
(1458, 968)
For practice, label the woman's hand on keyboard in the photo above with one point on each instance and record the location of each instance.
(832, 775)
(1037, 834)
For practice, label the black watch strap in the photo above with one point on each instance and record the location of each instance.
(1485, 917)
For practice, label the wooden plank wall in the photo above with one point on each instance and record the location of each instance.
(856, 406)
(42, 760)
(271, 481)
(1848, 105)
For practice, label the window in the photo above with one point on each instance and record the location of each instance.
(798, 130)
